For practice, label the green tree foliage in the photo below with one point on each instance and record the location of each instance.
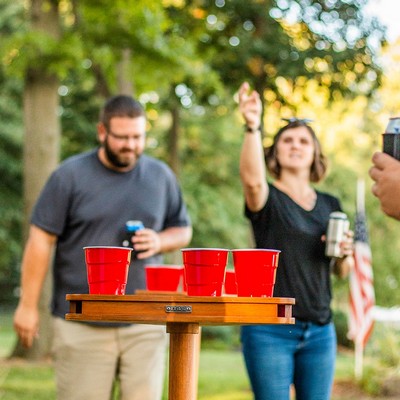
(11, 186)
(209, 156)
(328, 41)
(10, 164)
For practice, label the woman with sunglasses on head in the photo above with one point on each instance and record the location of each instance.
(288, 214)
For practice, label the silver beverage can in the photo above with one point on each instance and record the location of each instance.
(393, 126)
(391, 138)
(337, 227)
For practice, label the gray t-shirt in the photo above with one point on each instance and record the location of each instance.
(86, 204)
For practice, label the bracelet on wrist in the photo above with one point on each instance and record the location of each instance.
(249, 129)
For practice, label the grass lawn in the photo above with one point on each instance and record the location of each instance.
(222, 374)
(222, 377)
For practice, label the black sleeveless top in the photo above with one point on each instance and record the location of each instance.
(303, 270)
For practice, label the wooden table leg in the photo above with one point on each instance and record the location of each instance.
(183, 350)
(195, 382)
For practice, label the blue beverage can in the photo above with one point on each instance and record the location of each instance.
(130, 229)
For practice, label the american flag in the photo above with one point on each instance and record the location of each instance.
(362, 295)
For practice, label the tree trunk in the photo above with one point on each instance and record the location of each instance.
(41, 154)
(173, 140)
(42, 135)
(124, 74)
(173, 154)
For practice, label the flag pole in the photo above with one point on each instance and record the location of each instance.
(358, 343)
(358, 359)
(360, 195)
(362, 296)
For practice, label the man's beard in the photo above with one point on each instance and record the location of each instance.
(114, 159)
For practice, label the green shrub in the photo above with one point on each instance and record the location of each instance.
(390, 348)
(220, 337)
(341, 326)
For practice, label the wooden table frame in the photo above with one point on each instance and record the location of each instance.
(182, 316)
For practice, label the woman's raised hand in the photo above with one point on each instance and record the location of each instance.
(250, 106)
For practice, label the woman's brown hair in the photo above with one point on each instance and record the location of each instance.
(319, 165)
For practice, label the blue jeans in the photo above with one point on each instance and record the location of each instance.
(277, 356)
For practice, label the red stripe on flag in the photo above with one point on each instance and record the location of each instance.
(362, 296)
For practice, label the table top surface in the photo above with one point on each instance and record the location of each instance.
(168, 307)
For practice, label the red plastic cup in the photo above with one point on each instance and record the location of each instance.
(204, 270)
(230, 282)
(184, 281)
(107, 268)
(164, 277)
(255, 271)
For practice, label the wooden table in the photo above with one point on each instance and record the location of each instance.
(182, 316)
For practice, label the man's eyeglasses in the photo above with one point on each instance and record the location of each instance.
(124, 138)
(295, 119)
